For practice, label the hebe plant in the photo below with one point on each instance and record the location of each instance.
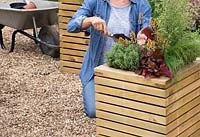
(124, 55)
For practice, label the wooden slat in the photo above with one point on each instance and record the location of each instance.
(131, 104)
(162, 82)
(184, 126)
(101, 136)
(179, 85)
(74, 40)
(70, 70)
(175, 115)
(183, 118)
(196, 133)
(62, 19)
(62, 25)
(123, 105)
(68, 7)
(130, 95)
(127, 129)
(64, 32)
(71, 58)
(112, 133)
(73, 46)
(71, 1)
(190, 130)
(182, 110)
(66, 13)
(178, 104)
(70, 64)
(131, 121)
(184, 91)
(131, 113)
(185, 72)
(72, 52)
(105, 71)
(150, 99)
(130, 86)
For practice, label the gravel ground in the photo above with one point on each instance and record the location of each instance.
(36, 99)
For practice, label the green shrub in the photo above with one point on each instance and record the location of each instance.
(126, 58)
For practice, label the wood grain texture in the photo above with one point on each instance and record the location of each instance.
(130, 104)
(73, 45)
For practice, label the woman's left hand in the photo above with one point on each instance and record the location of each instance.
(141, 38)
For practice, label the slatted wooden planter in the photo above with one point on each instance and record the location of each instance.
(129, 105)
(73, 45)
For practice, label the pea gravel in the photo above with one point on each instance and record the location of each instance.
(36, 99)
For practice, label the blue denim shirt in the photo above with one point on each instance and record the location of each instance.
(139, 17)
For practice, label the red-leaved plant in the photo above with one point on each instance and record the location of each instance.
(152, 62)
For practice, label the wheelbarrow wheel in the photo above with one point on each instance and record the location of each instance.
(50, 35)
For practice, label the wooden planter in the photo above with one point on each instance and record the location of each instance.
(72, 45)
(129, 105)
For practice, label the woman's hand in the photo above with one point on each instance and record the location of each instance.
(98, 23)
(29, 5)
(141, 38)
(144, 34)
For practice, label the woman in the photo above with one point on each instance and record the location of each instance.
(100, 18)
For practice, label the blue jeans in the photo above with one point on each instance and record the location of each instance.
(89, 99)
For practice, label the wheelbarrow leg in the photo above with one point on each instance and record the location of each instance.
(13, 40)
(34, 35)
(23, 33)
(1, 37)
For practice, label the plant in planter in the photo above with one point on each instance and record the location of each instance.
(146, 60)
(171, 47)
(152, 62)
(193, 8)
(184, 45)
(124, 55)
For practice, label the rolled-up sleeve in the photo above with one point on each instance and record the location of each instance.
(86, 10)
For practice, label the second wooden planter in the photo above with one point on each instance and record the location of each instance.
(72, 45)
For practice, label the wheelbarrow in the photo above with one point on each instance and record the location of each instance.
(23, 19)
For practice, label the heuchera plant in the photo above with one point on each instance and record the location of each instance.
(152, 62)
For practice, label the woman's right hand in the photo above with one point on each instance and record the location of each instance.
(98, 23)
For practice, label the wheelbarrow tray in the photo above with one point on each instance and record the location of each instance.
(21, 19)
